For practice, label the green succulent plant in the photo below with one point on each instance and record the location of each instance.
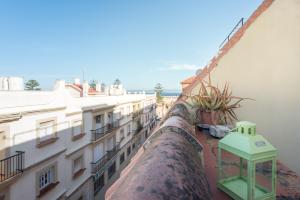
(211, 98)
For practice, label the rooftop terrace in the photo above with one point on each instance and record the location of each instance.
(179, 162)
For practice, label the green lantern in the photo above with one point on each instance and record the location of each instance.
(247, 164)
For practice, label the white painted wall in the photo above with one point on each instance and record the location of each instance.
(265, 65)
(25, 186)
(23, 136)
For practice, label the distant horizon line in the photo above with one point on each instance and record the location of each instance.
(152, 90)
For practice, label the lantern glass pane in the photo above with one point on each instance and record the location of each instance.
(234, 174)
(263, 178)
(230, 165)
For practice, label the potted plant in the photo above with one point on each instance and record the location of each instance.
(214, 105)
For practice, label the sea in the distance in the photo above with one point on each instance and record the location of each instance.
(167, 93)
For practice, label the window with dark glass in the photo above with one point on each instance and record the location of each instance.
(98, 119)
(111, 170)
(122, 158)
(99, 183)
(128, 150)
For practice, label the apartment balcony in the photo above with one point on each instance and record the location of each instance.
(99, 164)
(137, 130)
(137, 113)
(12, 166)
(101, 132)
(111, 153)
(152, 108)
(116, 123)
(119, 116)
(98, 133)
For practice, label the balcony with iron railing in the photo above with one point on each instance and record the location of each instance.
(137, 130)
(137, 113)
(100, 132)
(11, 166)
(119, 116)
(111, 153)
(98, 165)
(116, 123)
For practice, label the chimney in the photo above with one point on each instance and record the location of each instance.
(85, 88)
(59, 85)
(76, 81)
(98, 87)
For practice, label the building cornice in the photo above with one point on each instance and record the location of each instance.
(7, 117)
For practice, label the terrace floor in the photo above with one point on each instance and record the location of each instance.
(288, 182)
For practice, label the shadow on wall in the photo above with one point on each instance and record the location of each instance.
(54, 148)
(41, 155)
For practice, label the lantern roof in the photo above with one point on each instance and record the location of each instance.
(244, 142)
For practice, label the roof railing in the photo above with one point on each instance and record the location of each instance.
(238, 25)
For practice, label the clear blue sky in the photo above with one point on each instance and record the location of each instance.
(140, 42)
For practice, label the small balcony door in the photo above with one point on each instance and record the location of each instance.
(110, 144)
(110, 118)
(99, 121)
(98, 152)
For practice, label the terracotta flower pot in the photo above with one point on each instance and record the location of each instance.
(211, 118)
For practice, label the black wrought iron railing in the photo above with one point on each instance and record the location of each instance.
(11, 166)
(138, 129)
(137, 113)
(98, 165)
(111, 153)
(100, 132)
(235, 28)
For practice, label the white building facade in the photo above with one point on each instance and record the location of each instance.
(57, 146)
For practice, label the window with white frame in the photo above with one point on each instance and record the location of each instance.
(78, 164)
(46, 130)
(98, 119)
(77, 127)
(47, 177)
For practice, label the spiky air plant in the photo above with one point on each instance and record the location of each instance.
(211, 98)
